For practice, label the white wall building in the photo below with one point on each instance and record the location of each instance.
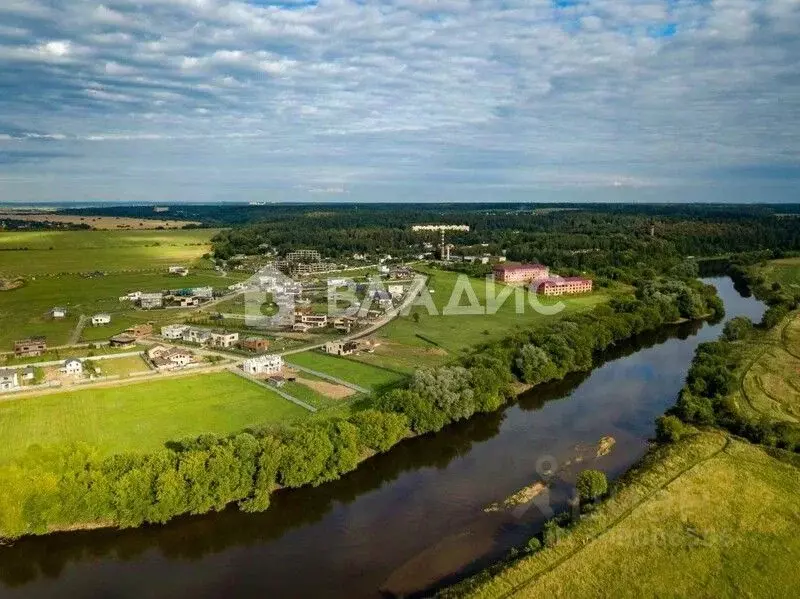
(151, 300)
(58, 312)
(224, 339)
(101, 319)
(266, 364)
(73, 367)
(8, 379)
(174, 331)
(193, 335)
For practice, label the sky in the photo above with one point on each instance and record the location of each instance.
(399, 100)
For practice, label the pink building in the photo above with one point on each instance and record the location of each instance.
(568, 285)
(520, 273)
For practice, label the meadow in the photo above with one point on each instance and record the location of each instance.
(141, 416)
(423, 339)
(709, 517)
(364, 375)
(122, 367)
(785, 271)
(32, 253)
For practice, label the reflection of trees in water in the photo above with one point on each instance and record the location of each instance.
(193, 537)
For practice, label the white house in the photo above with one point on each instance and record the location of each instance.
(73, 367)
(170, 358)
(151, 300)
(101, 319)
(178, 270)
(205, 292)
(396, 291)
(174, 331)
(223, 339)
(58, 312)
(266, 364)
(8, 379)
(193, 335)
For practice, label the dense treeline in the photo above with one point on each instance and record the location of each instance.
(58, 489)
(625, 243)
(706, 399)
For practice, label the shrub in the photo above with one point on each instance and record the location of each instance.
(591, 485)
(669, 429)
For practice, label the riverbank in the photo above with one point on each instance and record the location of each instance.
(58, 489)
(658, 531)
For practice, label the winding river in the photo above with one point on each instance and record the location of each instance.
(404, 522)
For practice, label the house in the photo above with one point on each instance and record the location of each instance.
(520, 273)
(35, 346)
(565, 286)
(203, 292)
(199, 336)
(101, 319)
(341, 348)
(344, 324)
(401, 272)
(277, 380)
(58, 312)
(73, 367)
(383, 298)
(9, 380)
(187, 302)
(170, 358)
(300, 327)
(29, 373)
(223, 339)
(255, 344)
(395, 291)
(150, 301)
(174, 331)
(131, 297)
(140, 330)
(122, 340)
(314, 320)
(266, 364)
(181, 271)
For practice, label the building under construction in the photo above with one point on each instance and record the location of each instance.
(444, 247)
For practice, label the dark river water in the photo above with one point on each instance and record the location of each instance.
(404, 522)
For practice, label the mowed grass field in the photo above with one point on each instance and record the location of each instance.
(25, 311)
(786, 271)
(363, 375)
(54, 252)
(122, 367)
(423, 339)
(714, 518)
(140, 417)
(770, 378)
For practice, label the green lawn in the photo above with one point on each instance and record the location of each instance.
(786, 271)
(24, 311)
(423, 339)
(122, 366)
(141, 416)
(52, 252)
(346, 369)
(725, 527)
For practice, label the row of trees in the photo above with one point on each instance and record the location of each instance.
(62, 488)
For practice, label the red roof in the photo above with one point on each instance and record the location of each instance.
(505, 267)
(564, 281)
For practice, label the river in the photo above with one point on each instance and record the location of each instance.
(403, 522)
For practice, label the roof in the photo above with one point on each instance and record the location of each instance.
(124, 338)
(564, 281)
(7, 372)
(512, 267)
(71, 360)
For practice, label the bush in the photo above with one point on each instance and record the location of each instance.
(669, 429)
(533, 545)
(552, 533)
(591, 485)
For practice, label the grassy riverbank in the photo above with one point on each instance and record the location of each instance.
(708, 516)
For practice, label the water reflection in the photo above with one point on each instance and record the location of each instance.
(402, 522)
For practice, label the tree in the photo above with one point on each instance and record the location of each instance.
(669, 429)
(591, 485)
(737, 328)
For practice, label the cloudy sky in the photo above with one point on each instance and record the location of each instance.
(399, 100)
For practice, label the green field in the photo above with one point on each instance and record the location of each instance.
(122, 367)
(422, 340)
(714, 517)
(142, 416)
(785, 271)
(34, 253)
(346, 369)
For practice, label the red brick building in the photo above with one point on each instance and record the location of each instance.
(255, 344)
(34, 346)
(520, 273)
(565, 286)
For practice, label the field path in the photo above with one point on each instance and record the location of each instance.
(76, 334)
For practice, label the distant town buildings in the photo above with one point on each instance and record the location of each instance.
(520, 273)
(266, 364)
